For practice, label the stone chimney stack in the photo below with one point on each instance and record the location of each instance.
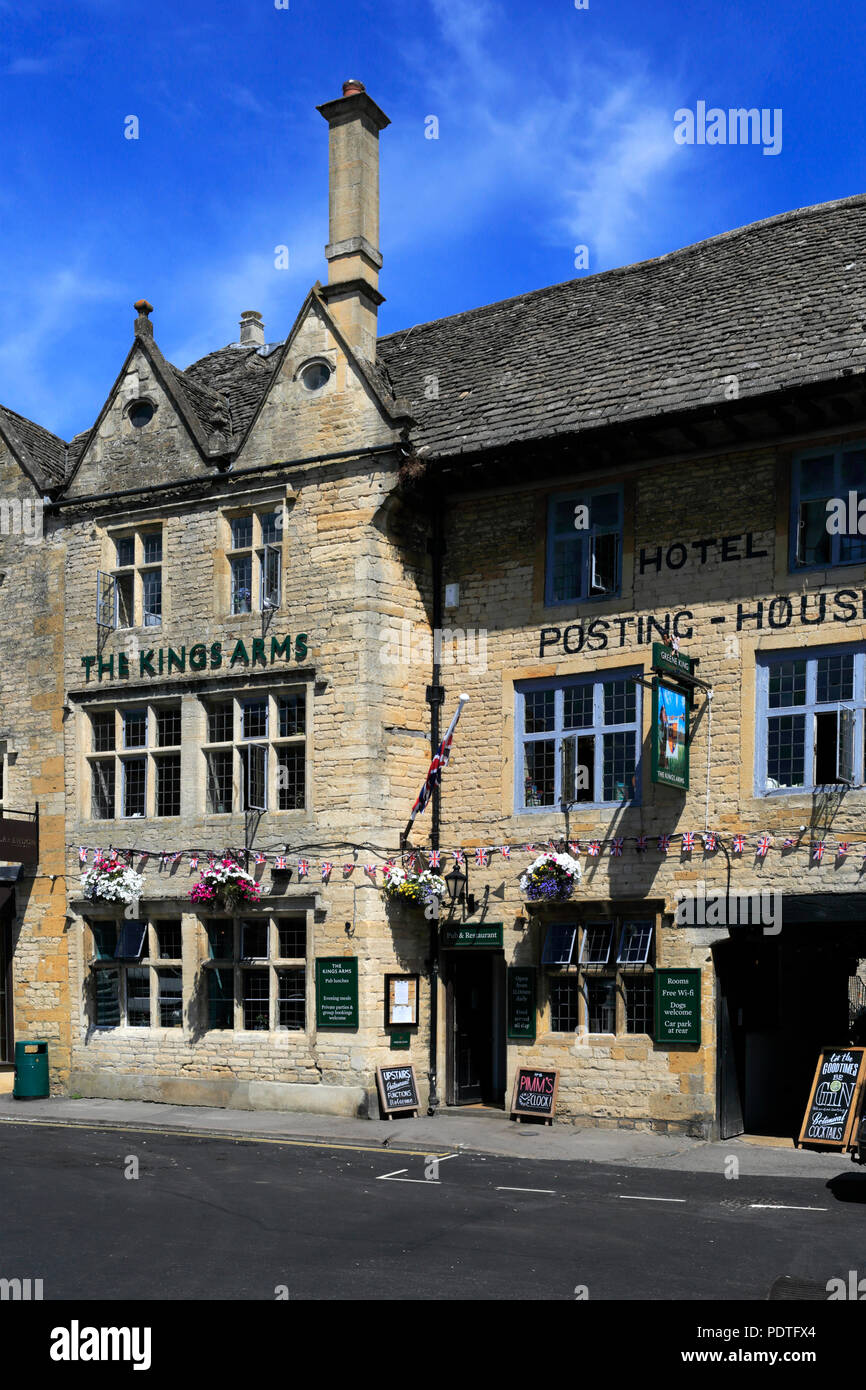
(252, 329)
(353, 254)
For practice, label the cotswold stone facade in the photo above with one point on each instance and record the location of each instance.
(266, 580)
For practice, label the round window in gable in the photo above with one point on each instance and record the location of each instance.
(316, 375)
(140, 414)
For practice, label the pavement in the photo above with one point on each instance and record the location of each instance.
(472, 1131)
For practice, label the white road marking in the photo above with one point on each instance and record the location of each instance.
(776, 1206)
(392, 1175)
(548, 1191)
(625, 1197)
(427, 1182)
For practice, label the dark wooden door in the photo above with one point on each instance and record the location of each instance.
(473, 1028)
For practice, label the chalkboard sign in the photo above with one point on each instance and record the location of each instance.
(397, 1089)
(337, 992)
(521, 1002)
(535, 1093)
(677, 1006)
(835, 1097)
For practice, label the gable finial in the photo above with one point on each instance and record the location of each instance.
(143, 325)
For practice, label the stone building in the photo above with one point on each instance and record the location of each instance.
(282, 565)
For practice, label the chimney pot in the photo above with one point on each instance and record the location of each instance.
(252, 328)
(352, 86)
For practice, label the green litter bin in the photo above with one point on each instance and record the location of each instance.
(31, 1071)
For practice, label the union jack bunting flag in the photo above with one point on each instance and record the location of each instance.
(574, 846)
(303, 868)
(788, 842)
(843, 848)
(348, 869)
(162, 860)
(82, 854)
(616, 848)
(640, 846)
(260, 858)
(435, 858)
(481, 857)
(388, 865)
(664, 843)
(594, 848)
(438, 765)
(178, 854)
(710, 840)
(193, 861)
(411, 860)
(280, 862)
(739, 844)
(529, 848)
(505, 851)
(326, 869)
(459, 857)
(370, 871)
(688, 842)
(763, 846)
(818, 850)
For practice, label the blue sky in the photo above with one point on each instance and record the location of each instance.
(555, 130)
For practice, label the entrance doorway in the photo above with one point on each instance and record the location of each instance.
(780, 999)
(6, 1011)
(475, 1021)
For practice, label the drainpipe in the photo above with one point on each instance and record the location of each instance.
(435, 697)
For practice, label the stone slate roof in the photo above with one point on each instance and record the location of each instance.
(779, 303)
(47, 451)
(239, 375)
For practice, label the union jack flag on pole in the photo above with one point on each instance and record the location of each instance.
(438, 765)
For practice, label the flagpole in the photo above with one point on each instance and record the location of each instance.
(417, 810)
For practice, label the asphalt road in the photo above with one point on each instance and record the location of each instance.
(227, 1219)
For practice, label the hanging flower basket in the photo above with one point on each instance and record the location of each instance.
(109, 881)
(407, 886)
(225, 886)
(551, 878)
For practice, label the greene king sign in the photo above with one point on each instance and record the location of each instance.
(201, 656)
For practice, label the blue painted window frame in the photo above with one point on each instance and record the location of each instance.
(584, 498)
(598, 729)
(811, 706)
(806, 456)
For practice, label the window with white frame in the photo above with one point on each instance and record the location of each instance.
(584, 545)
(600, 975)
(134, 761)
(578, 740)
(256, 752)
(824, 534)
(129, 593)
(136, 973)
(256, 973)
(810, 724)
(255, 556)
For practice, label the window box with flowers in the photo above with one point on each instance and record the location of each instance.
(413, 888)
(225, 886)
(110, 881)
(551, 878)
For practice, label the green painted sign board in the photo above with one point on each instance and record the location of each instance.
(677, 1006)
(488, 935)
(669, 736)
(521, 1002)
(400, 1040)
(336, 992)
(670, 663)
